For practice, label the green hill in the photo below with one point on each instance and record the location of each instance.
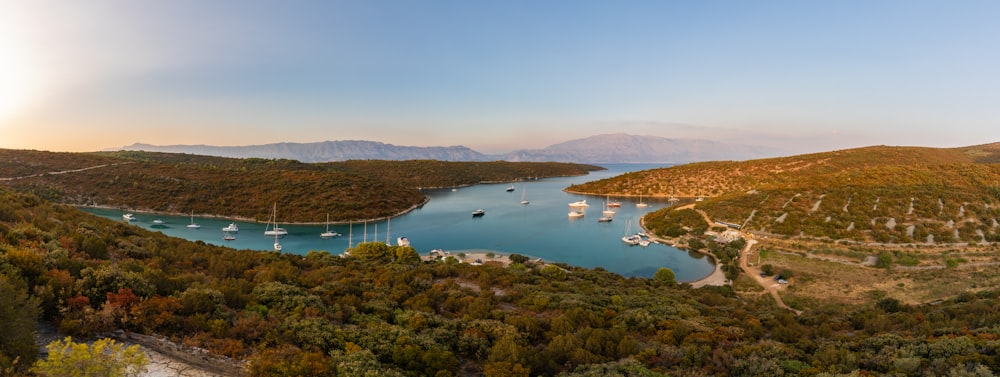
(247, 188)
(875, 194)
(383, 313)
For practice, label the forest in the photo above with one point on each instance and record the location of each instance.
(382, 311)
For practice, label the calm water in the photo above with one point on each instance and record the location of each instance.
(540, 229)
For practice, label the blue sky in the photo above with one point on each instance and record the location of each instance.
(498, 76)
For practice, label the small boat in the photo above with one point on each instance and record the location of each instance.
(328, 233)
(229, 237)
(402, 241)
(640, 204)
(575, 214)
(607, 210)
(192, 225)
(582, 203)
(128, 217)
(158, 222)
(614, 204)
(454, 189)
(478, 213)
(605, 219)
(231, 228)
(524, 201)
(510, 188)
(631, 240)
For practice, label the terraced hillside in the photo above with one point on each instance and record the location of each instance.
(875, 194)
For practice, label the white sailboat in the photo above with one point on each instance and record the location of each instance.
(640, 204)
(608, 212)
(328, 233)
(192, 225)
(524, 201)
(276, 231)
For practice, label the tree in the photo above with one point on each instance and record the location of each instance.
(664, 276)
(518, 258)
(105, 357)
(18, 313)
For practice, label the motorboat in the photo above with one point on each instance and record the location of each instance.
(128, 217)
(231, 228)
(158, 222)
(575, 214)
(582, 203)
(605, 219)
(402, 241)
(510, 188)
(478, 213)
(229, 237)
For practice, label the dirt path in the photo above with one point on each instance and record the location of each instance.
(65, 171)
(770, 285)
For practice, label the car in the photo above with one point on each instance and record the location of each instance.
(782, 281)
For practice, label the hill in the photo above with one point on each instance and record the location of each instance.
(382, 312)
(247, 188)
(624, 148)
(611, 148)
(894, 195)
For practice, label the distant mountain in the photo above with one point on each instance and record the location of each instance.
(323, 151)
(625, 148)
(611, 148)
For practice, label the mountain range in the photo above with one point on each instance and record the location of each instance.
(608, 148)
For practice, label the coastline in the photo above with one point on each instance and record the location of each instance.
(716, 278)
(249, 220)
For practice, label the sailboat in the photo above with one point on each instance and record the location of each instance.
(523, 200)
(640, 204)
(328, 233)
(630, 239)
(192, 225)
(608, 212)
(276, 231)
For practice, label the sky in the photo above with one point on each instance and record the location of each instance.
(497, 76)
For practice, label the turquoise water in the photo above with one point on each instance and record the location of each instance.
(540, 229)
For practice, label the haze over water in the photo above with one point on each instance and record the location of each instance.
(540, 229)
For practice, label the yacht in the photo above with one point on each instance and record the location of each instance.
(402, 241)
(276, 231)
(478, 213)
(524, 201)
(192, 225)
(640, 204)
(128, 217)
(582, 203)
(510, 188)
(229, 237)
(158, 222)
(605, 219)
(575, 214)
(328, 233)
(231, 228)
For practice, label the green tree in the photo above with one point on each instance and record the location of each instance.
(18, 313)
(664, 276)
(105, 357)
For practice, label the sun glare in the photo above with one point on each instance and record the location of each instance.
(18, 71)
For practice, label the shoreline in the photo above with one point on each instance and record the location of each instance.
(715, 278)
(248, 220)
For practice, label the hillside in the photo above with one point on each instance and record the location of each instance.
(875, 194)
(322, 151)
(248, 188)
(381, 312)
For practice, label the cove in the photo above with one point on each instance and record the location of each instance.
(540, 229)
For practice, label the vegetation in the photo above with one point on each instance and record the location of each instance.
(105, 357)
(381, 312)
(874, 195)
(182, 183)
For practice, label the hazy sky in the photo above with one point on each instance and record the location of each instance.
(498, 75)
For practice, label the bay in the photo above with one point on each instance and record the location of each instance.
(541, 229)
